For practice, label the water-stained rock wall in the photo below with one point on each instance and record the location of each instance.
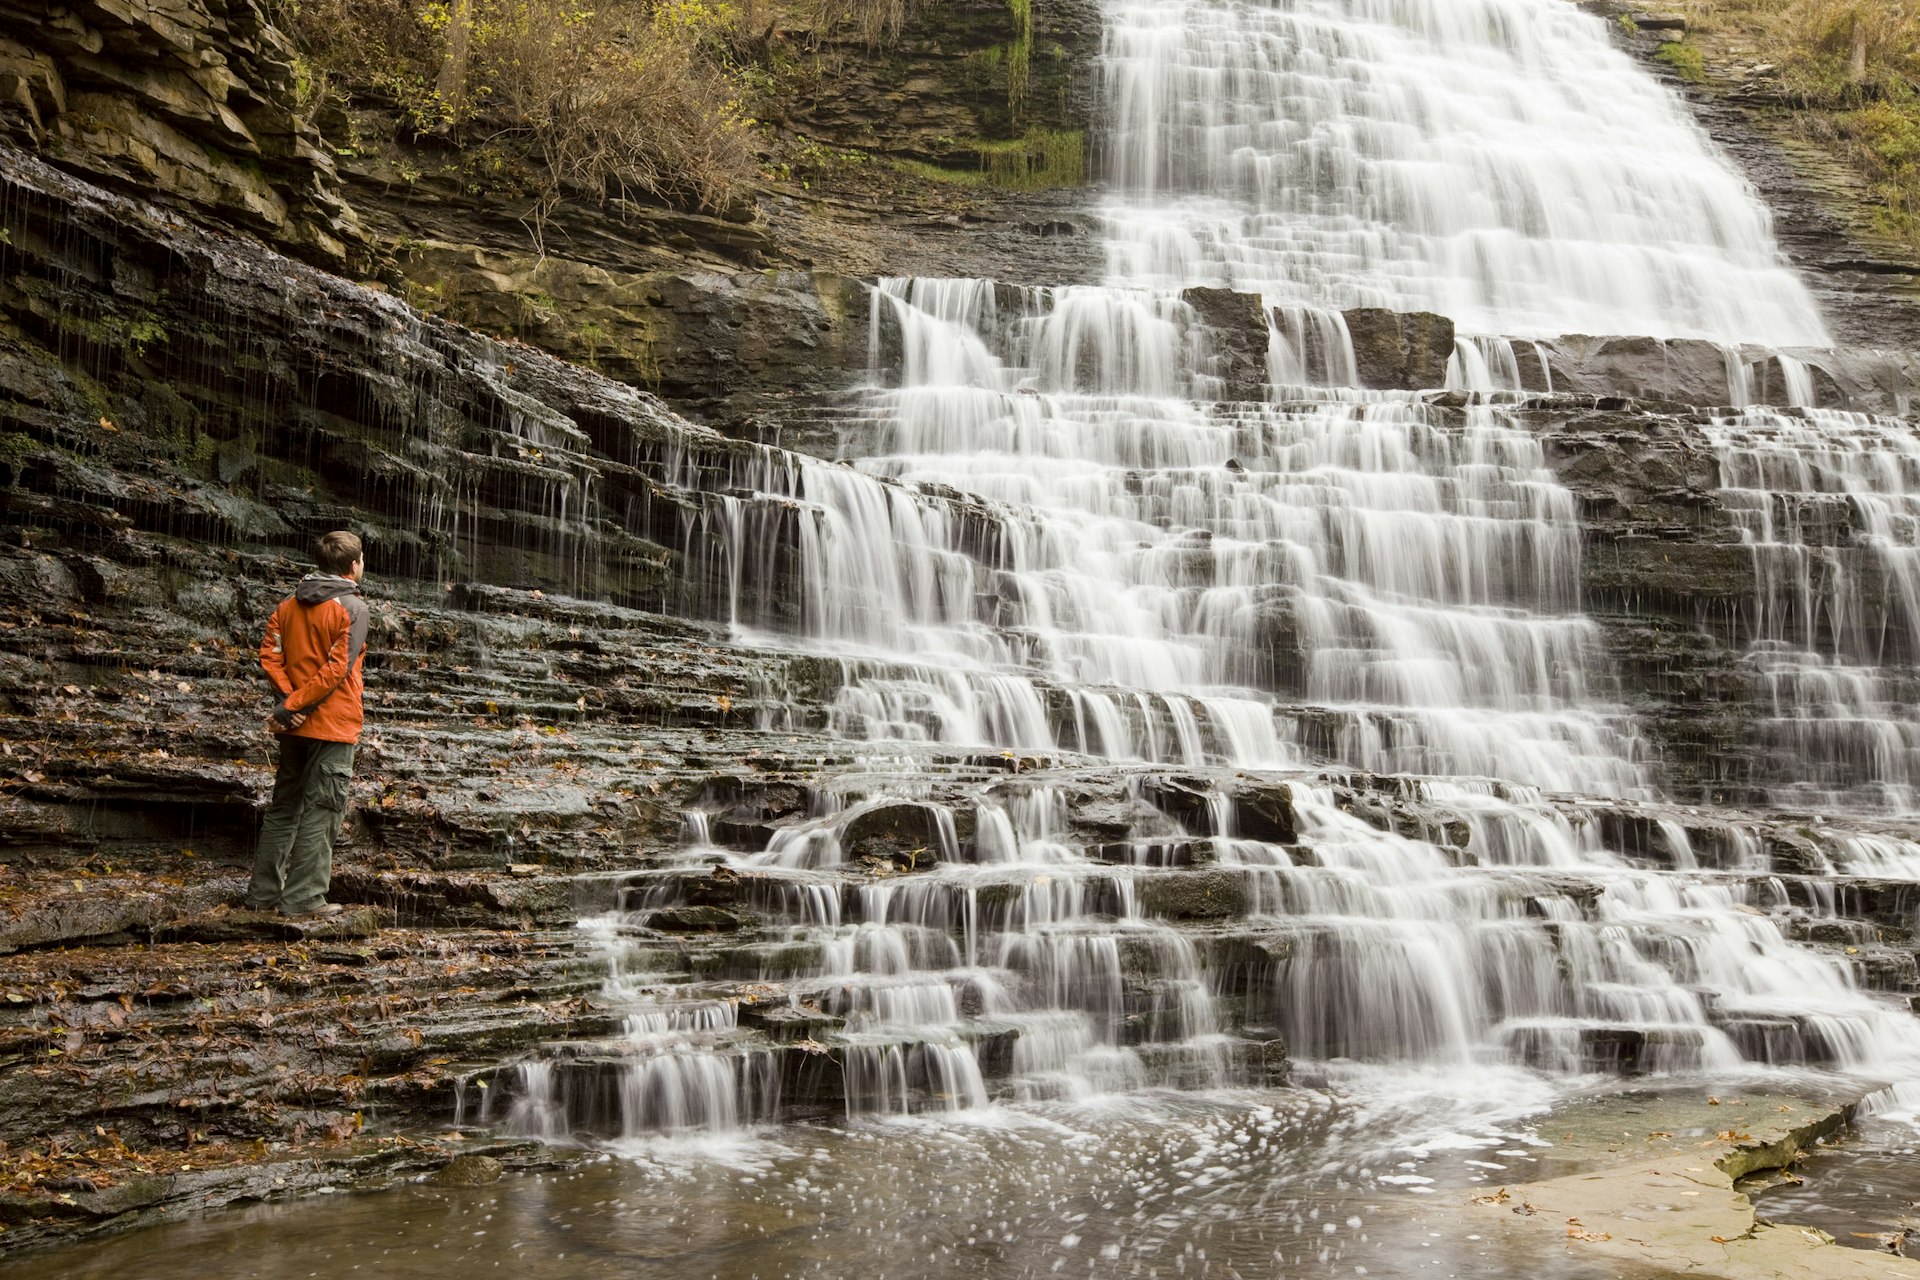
(188, 102)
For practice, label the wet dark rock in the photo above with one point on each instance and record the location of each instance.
(468, 1171)
(1793, 854)
(248, 926)
(1789, 1041)
(1884, 969)
(1275, 1066)
(1193, 895)
(745, 812)
(746, 349)
(790, 1022)
(1188, 801)
(1157, 853)
(1683, 370)
(906, 834)
(430, 898)
(1887, 902)
(1235, 326)
(1835, 932)
(193, 103)
(1264, 812)
(694, 919)
(111, 911)
(1405, 351)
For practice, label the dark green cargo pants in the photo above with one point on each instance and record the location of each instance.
(293, 866)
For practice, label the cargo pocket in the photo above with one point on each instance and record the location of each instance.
(333, 778)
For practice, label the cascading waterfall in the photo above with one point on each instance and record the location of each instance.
(1495, 161)
(1829, 503)
(1066, 544)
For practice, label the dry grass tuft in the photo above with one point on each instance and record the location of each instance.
(1850, 69)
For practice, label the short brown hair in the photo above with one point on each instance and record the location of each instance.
(337, 551)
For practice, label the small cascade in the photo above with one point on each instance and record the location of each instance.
(1829, 503)
(1084, 933)
(679, 1069)
(1489, 364)
(1040, 568)
(1310, 347)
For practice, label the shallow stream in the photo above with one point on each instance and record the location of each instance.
(1227, 1184)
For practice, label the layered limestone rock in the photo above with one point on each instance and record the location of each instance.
(959, 145)
(189, 102)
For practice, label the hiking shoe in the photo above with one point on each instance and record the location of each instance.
(320, 912)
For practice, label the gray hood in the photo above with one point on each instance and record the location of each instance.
(316, 588)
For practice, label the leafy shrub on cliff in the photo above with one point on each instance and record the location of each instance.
(623, 98)
(615, 100)
(362, 47)
(1685, 59)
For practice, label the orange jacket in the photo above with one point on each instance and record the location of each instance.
(315, 645)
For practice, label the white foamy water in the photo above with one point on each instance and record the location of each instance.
(1496, 161)
(1829, 503)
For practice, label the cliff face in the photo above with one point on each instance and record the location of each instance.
(182, 412)
(190, 103)
(960, 146)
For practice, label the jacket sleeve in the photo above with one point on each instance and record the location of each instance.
(273, 657)
(344, 650)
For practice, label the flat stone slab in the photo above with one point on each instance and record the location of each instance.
(237, 924)
(1671, 1207)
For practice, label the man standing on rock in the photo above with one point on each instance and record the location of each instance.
(312, 652)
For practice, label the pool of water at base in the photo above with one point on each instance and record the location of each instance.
(1230, 1185)
(1862, 1188)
